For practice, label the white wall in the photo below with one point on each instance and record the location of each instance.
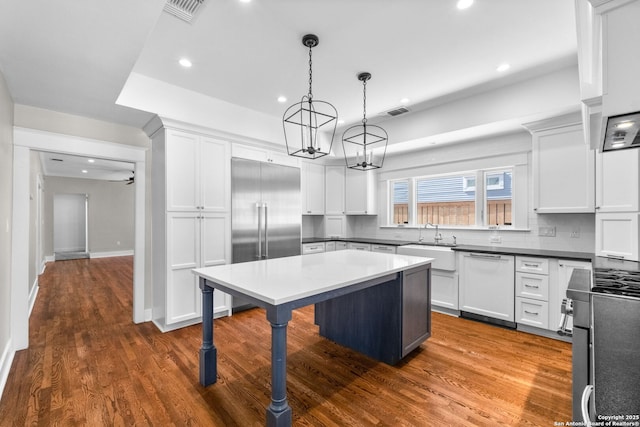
(6, 196)
(110, 214)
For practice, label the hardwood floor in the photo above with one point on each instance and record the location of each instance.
(88, 364)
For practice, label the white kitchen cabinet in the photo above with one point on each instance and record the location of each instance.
(312, 188)
(335, 226)
(360, 191)
(387, 249)
(335, 246)
(617, 183)
(617, 235)
(359, 246)
(563, 167)
(313, 248)
(487, 285)
(444, 289)
(532, 292)
(558, 290)
(196, 168)
(193, 241)
(335, 190)
(190, 219)
(264, 155)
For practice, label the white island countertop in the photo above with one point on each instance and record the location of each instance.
(282, 280)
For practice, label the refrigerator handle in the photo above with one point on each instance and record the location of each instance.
(266, 232)
(259, 208)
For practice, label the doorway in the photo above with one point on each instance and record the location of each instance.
(26, 140)
(70, 223)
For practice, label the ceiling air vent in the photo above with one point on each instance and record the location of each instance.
(397, 111)
(183, 9)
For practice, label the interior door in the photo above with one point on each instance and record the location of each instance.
(70, 223)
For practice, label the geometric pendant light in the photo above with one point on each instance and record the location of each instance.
(364, 145)
(309, 125)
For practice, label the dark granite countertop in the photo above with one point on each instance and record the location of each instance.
(357, 240)
(545, 253)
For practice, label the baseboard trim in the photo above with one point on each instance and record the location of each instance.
(33, 295)
(148, 314)
(49, 258)
(110, 254)
(5, 365)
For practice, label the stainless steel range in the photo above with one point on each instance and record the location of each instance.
(606, 343)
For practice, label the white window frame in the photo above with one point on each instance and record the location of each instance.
(480, 175)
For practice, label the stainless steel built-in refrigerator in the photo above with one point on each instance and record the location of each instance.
(265, 213)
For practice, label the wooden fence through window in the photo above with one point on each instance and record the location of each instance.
(454, 213)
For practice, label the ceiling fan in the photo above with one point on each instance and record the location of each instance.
(127, 181)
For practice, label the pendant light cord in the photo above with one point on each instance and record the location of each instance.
(310, 75)
(364, 102)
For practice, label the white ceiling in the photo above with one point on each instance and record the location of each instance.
(75, 56)
(65, 165)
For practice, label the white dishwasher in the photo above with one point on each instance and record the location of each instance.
(487, 287)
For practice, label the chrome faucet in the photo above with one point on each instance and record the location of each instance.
(438, 236)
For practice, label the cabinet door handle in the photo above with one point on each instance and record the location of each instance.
(526, 285)
(485, 256)
(531, 312)
(531, 265)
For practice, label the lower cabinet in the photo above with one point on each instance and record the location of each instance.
(444, 289)
(387, 249)
(193, 240)
(313, 248)
(532, 291)
(487, 287)
(386, 321)
(359, 246)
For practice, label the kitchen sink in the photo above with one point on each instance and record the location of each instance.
(444, 257)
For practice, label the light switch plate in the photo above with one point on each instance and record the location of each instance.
(547, 231)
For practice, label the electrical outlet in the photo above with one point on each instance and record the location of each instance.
(547, 231)
(575, 232)
(495, 239)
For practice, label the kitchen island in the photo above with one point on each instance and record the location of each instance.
(375, 303)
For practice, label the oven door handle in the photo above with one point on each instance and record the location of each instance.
(584, 404)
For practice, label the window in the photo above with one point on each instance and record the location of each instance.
(446, 200)
(498, 198)
(466, 199)
(400, 201)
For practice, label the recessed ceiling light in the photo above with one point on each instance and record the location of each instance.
(282, 99)
(91, 160)
(85, 171)
(404, 101)
(185, 62)
(340, 122)
(624, 125)
(245, 1)
(503, 67)
(464, 4)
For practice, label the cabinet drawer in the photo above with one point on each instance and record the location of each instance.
(359, 246)
(312, 248)
(532, 312)
(534, 286)
(532, 265)
(388, 249)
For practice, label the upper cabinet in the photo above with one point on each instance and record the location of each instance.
(620, 62)
(617, 185)
(563, 166)
(312, 188)
(334, 190)
(197, 168)
(264, 155)
(360, 191)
